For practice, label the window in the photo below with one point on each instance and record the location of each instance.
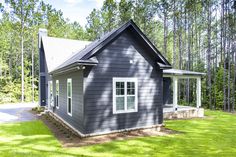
(125, 95)
(51, 94)
(69, 96)
(57, 93)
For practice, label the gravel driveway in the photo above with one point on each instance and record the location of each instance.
(16, 112)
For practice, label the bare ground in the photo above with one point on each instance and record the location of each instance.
(69, 139)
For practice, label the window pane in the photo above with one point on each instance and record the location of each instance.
(69, 105)
(120, 103)
(130, 88)
(130, 102)
(130, 84)
(120, 91)
(130, 91)
(69, 89)
(57, 100)
(51, 99)
(120, 88)
(57, 87)
(51, 87)
(120, 84)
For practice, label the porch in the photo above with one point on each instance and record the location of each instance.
(171, 108)
(183, 112)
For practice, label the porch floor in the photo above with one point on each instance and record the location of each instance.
(182, 112)
(169, 108)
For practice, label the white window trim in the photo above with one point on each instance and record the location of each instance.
(57, 101)
(125, 80)
(69, 79)
(50, 93)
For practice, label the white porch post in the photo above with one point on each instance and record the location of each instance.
(175, 93)
(198, 90)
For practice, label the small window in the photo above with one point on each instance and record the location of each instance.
(51, 94)
(125, 95)
(69, 96)
(57, 93)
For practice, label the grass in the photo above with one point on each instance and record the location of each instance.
(212, 136)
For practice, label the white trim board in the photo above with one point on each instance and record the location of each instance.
(50, 93)
(57, 100)
(69, 80)
(114, 96)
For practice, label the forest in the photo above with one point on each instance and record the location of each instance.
(197, 35)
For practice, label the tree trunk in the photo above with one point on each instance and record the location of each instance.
(174, 36)
(234, 77)
(179, 28)
(234, 56)
(209, 55)
(216, 61)
(22, 66)
(165, 33)
(229, 74)
(22, 54)
(180, 40)
(10, 56)
(228, 57)
(32, 70)
(223, 51)
(188, 56)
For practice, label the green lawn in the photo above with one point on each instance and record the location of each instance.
(212, 136)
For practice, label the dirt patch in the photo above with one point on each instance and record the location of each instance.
(68, 139)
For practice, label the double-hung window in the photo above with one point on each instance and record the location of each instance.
(125, 95)
(51, 94)
(57, 93)
(69, 96)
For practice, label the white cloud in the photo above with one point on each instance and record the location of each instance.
(99, 3)
(73, 2)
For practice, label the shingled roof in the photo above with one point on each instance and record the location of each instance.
(58, 50)
(87, 55)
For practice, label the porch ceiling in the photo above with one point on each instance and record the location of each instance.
(181, 73)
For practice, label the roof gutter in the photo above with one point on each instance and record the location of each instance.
(164, 66)
(73, 67)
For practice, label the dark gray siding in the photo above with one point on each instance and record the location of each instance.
(115, 61)
(43, 78)
(167, 92)
(76, 120)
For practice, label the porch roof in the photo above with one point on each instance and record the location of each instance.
(181, 73)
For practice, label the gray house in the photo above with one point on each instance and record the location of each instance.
(112, 84)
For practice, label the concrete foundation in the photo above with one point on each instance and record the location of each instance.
(156, 128)
(184, 114)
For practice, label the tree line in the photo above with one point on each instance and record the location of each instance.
(197, 35)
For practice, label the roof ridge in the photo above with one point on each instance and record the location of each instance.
(66, 39)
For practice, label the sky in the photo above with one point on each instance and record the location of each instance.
(75, 10)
